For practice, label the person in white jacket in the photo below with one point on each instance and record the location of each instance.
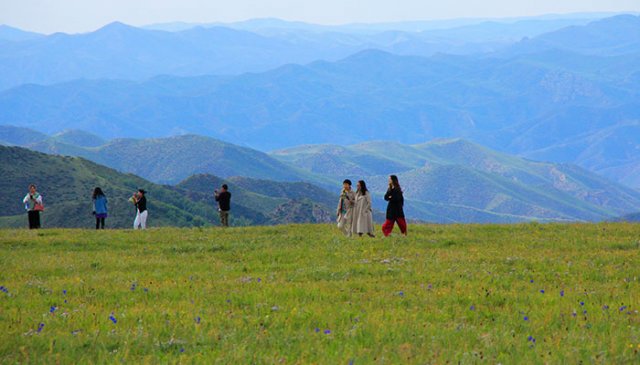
(362, 211)
(33, 204)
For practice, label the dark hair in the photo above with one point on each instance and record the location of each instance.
(225, 187)
(394, 182)
(142, 191)
(34, 186)
(363, 187)
(97, 192)
(347, 181)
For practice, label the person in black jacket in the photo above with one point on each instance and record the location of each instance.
(395, 208)
(223, 198)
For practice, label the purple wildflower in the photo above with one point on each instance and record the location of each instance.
(64, 292)
(531, 281)
(531, 339)
(605, 307)
(582, 304)
(113, 319)
(146, 290)
(52, 309)
(526, 318)
(259, 280)
(542, 291)
(562, 293)
(401, 293)
(40, 327)
(473, 307)
(327, 332)
(198, 320)
(623, 308)
(182, 349)
(317, 329)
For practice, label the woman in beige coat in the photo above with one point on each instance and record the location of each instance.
(362, 212)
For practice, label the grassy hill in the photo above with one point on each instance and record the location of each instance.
(170, 160)
(529, 293)
(453, 180)
(66, 184)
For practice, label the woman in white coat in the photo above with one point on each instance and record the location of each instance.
(362, 212)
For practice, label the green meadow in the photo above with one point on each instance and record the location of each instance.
(303, 294)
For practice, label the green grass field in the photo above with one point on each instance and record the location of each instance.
(528, 293)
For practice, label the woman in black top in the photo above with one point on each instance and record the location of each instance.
(395, 208)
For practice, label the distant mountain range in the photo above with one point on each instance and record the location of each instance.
(270, 25)
(66, 184)
(563, 96)
(444, 180)
(120, 51)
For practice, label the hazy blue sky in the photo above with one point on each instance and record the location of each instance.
(83, 15)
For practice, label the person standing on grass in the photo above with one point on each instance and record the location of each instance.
(33, 204)
(363, 213)
(139, 199)
(223, 197)
(395, 208)
(345, 208)
(99, 207)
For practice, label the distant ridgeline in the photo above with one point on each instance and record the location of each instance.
(66, 183)
(445, 181)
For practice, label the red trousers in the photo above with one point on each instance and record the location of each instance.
(387, 227)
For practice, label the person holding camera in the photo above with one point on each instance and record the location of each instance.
(223, 197)
(33, 204)
(140, 201)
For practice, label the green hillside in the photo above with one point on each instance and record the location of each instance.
(66, 184)
(455, 180)
(173, 159)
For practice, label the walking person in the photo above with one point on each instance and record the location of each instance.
(223, 197)
(363, 212)
(33, 204)
(99, 207)
(140, 201)
(345, 208)
(395, 208)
